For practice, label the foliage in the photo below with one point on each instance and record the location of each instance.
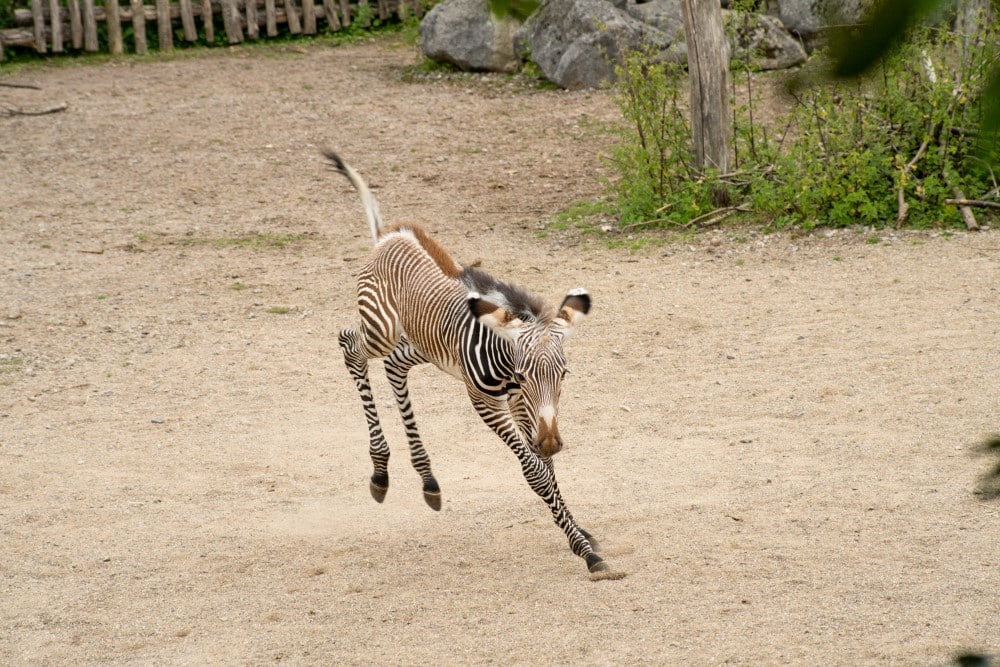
(657, 184)
(888, 146)
(989, 483)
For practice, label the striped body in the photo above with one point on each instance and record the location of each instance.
(417, 305)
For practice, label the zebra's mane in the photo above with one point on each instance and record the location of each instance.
(512, 298)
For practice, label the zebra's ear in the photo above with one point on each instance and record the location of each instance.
(574, 308)
(499, 319)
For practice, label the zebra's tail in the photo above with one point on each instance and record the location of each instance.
(367, 198)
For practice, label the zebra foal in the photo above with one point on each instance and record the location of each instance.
(418, 305)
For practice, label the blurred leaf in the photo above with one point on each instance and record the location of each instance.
(991, 106)
(989, 483)
(857, 48)
(518, 9)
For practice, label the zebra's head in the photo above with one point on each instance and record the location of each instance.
(538, 358)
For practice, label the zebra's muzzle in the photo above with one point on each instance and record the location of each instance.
(547, 440)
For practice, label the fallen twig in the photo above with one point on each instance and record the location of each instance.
(967, 214)
(19, 85)
(14, 111)
(980, 203)
(715, 216)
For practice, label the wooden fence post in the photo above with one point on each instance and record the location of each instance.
(39, 22)
(55, 20)
(708, 69)
(75, 24)
(164, 31)
(89, 26)
(139, 27)
(113, 21)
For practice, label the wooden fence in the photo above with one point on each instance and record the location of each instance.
(55, 25)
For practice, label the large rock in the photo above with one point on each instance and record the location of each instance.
(467, 35)
(807, 18)
(764, 39)
(577, 43)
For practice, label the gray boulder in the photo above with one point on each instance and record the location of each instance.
(807, 18)
(764, 39)
(577, 43)
(467, 35)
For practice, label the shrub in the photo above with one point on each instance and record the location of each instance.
(888, 148)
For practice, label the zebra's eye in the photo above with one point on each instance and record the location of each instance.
(519, 377)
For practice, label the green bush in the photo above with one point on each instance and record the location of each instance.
(885, 149)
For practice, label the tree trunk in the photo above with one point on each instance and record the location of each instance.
(708, 68)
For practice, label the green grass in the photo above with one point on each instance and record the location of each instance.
(253, 241)
(279, 310)
(9, 365)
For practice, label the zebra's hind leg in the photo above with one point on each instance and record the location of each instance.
(357, 363)
(397, 369)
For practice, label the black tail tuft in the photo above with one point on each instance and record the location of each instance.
(335, 161)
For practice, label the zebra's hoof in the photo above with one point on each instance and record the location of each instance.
(596, 564)
(378, 491)
(433, 500)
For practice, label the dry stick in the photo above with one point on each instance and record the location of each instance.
(973, 202)
(904, 207)
(715, 216)
(967, 214)
(14, 111)
(19, 85)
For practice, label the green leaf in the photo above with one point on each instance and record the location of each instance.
(855, 49)
(518, 9)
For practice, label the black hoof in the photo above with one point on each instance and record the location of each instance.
(378, 490)
(596, 564)
(432, 494)
(594, 544)
(433, 500)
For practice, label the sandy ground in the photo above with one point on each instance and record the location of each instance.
(770, 435)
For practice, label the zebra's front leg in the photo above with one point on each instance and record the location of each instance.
(537, 473)
(357, 363)
(552, 471)
(519, 412)
(397, 369)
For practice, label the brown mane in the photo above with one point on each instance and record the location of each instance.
(445, 262)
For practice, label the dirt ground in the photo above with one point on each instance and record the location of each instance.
(770, 435)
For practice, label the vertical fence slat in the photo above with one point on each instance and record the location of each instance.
(55, 21)
(253, 21)
(113, 21)
(164, 30)
(207, 21)
(345, 12)
(75, 24)
(231, 19)
(383, 10)
(139, 27)
(271, 17)
(89, 26)
(292, 14)
(308, 17)
(38, 18)
(330, 11)
(187, 21)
